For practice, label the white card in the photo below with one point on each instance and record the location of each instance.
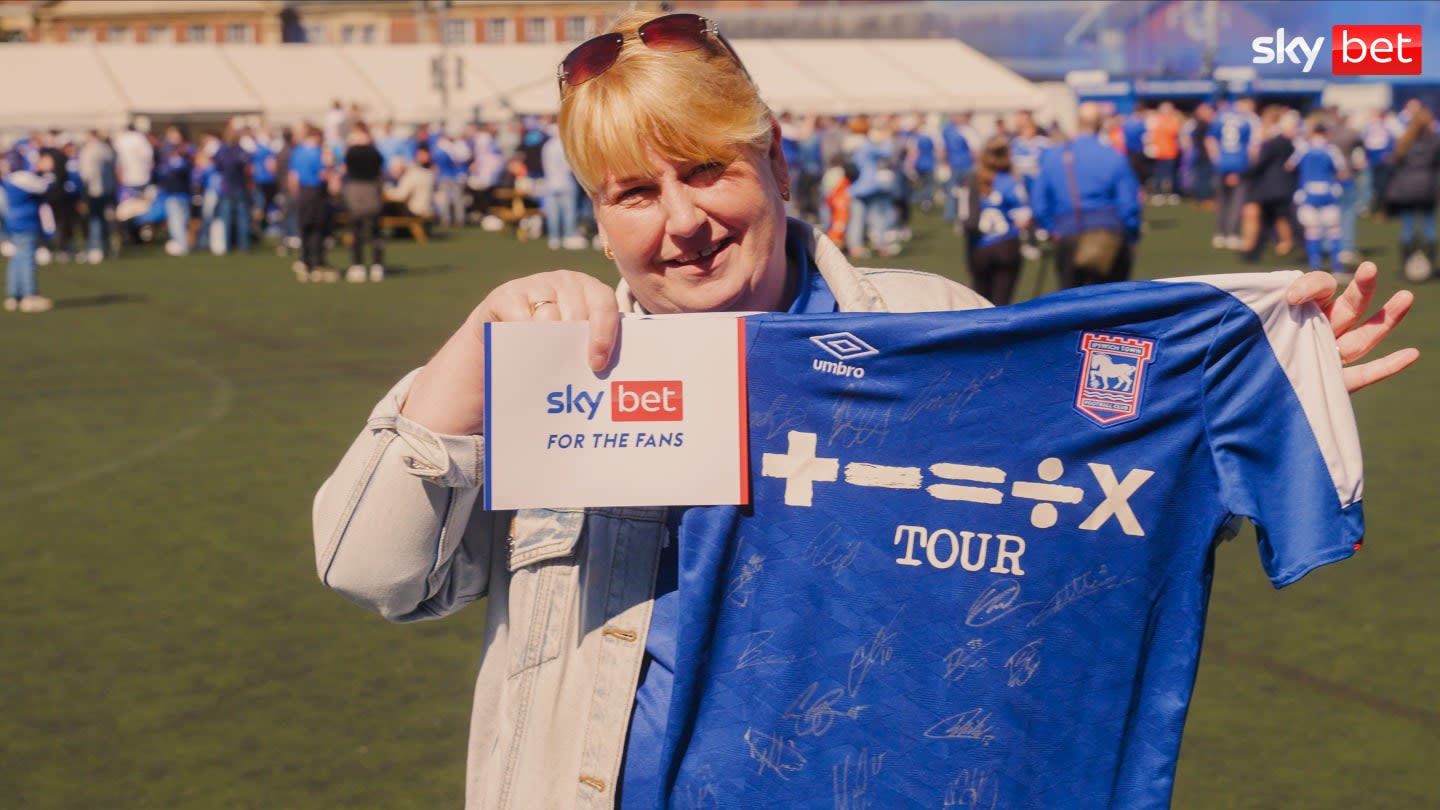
(664, 426)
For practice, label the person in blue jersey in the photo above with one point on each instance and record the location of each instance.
(1379, 135)
(25, 190)
(174, 176)
(921, 159)
(873, 192)
(309, 183)
(958, 138)
(1319, 169)
(267, 185)
(672, 142)
(995, 214)
(1410, 190)
(234, 166)
(1229, 148)
(1136, 133)
(1086, 186)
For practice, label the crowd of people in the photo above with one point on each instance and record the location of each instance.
(1268, 175)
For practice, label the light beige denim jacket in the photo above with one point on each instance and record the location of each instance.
(398, 531)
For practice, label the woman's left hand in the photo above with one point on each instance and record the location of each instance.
(1356, 341)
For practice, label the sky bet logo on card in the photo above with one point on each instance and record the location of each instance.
(1355, 50)
(630, 401)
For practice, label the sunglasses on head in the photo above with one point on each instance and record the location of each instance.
(672, 33)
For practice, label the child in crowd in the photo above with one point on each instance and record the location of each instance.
(24, 193)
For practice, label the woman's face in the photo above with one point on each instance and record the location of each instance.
(700, 237)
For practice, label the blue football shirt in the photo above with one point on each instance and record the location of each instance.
(976, 569)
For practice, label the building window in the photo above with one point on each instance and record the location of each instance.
(79, 34)
(539, 29)
(357, 34)
(458, 32)
(316, 34)
(197, 33)
(577, 29)
(122, 34)
(239, 34)
(160, 35)
(499, 29)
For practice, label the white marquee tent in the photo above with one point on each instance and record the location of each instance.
(76, 90)
(102, 85)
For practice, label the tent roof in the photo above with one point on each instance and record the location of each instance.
(293, 83)
(77, 93)
(102, 85)
(177, 81)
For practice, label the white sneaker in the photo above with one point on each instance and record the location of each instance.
(36, 303)
(96, 256)
(1030, 253)
(42, 256)
(553, 243)
(302, 273)
(1349, 257)
(1173, 199)
(325, 274)
(12, 304)
(356, 274)
(575, 243)
(377, 272)
(1232, 243)
(173, 248)
(1217, 241)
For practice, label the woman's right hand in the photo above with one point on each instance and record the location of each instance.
(448, 395)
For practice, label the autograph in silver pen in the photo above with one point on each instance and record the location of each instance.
(1088, 583)
(757, 652)
(814, 715)
(774, 753)
(971, 725)
(875, 651)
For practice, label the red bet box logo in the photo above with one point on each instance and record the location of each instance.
(647, 401)
(1375, 50)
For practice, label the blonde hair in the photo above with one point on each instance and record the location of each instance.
(693, 106)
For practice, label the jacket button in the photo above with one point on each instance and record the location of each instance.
(598, 784)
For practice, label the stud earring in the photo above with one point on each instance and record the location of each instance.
(608, 253)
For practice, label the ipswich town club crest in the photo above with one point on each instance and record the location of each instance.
(1112, 377)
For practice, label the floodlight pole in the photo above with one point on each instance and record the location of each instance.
(442, 70)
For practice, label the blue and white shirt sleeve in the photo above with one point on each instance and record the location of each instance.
(1281, 429)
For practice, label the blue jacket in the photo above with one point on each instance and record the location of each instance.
(957, 149)
(876, 165)
(1109, 195)
(24, 191)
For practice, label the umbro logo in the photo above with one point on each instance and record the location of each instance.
(842, 346)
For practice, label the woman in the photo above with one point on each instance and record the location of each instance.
(668, 136)
(1271, 184)
(998, 210)
(363, 200)
(1410, 189)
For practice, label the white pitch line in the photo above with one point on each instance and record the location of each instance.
(222, 399)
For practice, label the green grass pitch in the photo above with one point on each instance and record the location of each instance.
(166, 643)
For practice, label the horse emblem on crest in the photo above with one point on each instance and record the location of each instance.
(1112, 377)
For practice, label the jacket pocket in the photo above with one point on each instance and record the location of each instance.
(544, 571)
